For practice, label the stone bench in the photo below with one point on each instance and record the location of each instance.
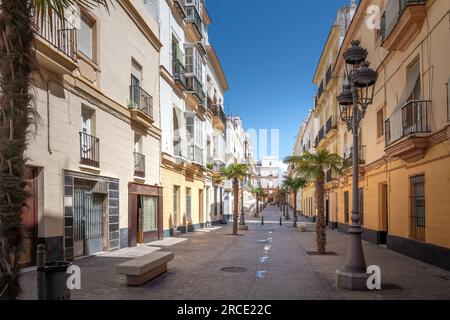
(143, 269)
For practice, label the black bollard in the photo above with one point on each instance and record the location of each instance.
(262, 220)
(281, 221)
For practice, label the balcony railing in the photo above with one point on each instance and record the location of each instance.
(139, 165)
(195, 154)
(329, 176)
(141, 100)
(195, 87)
(393, 12)
(179, 148)
(57, 33)
(348, 155)
(331, 124)
(412, 118)
(329, 74)
(320, 136)
(179, 72)
(194, 17)
(320, 91)
(217, 110)
(89, 150)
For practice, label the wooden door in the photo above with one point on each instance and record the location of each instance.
(29, 221)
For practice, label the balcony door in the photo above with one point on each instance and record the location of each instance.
(136, 79)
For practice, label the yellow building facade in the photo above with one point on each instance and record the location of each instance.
(405, 135)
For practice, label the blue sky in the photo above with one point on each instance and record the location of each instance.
(269, 50)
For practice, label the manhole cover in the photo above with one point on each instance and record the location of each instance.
(315, 253)
(234, 269)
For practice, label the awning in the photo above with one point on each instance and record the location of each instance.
(411, 80)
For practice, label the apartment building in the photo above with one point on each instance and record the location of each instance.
(404, 136)
(326, 108)
(193, 85)
(94, 162)
(268, 175)
(236, 151)
(404, 175)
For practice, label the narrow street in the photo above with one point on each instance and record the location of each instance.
(274, 262)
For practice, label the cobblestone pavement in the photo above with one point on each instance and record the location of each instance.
(269, 261)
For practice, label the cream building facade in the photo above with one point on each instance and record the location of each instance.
(87, 195)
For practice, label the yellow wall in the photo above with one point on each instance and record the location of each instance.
(171, 177)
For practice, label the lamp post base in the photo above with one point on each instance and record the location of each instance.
(352, 280)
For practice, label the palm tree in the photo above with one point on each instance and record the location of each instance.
(257, 192)
(293, 184)
(313, 167)
(236, 173)
(17, 115)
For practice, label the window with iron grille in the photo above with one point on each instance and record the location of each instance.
(417, 196)
(346, 206)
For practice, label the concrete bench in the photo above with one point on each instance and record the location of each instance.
(143, 269)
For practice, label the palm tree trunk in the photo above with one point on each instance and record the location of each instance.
(295, 209)
(320, 226)
(16, 66)
(236, 206)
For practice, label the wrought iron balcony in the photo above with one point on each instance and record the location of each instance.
(331, 124)
(320, 91)
(217, 111)
(179, 148)
(58, 33)
(141, 100)
(195, 154)
(179, 72)
(348, 155)
(394, 11)
(320, 136)
(329, 176)
(89, 150)
(196, 88)
(329, 74)
(139, 165)
(193, 16)
(413, 118)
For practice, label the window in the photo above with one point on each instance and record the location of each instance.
(85, 37)
(188, 205)
(417, 194)
(86, 121)
(346, 207)
(380, 123)
(194, 62)
(149, 210)
(137, 143)
(176, 203)
(136, 74)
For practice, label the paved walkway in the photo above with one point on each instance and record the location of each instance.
(274, 264)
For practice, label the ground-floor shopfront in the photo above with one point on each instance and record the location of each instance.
(185, 200)
(145, 215)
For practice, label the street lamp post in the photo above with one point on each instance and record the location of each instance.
(356, 96)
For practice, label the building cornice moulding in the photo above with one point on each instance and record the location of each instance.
(141, 23)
